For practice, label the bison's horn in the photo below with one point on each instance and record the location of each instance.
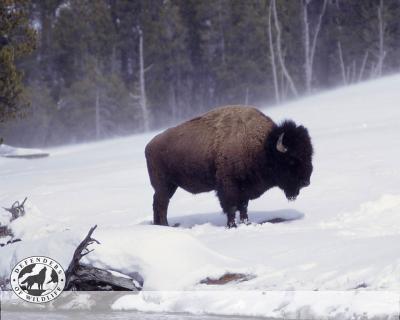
(279, 145)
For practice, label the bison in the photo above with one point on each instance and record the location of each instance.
(237, 151)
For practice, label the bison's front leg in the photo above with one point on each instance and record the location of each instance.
(231, 215)
(163, 193)
(160, 207)
(244, 218)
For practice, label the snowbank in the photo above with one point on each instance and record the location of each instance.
(9, 151)
(274, 304)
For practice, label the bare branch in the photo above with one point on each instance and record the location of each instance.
(363, 64)
(78, 254)
(316, 32)
(17, 209)
(143, 98)
(307, 64)
(382, 53)
(342, 67)
(309, 49)
(279, 49)
(88, 278)
(272, 55)
(148, 68)
(246, 98)
(353, 71)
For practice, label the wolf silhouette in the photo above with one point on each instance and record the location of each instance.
(37, 278)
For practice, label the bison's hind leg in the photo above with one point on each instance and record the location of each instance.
(232, 199)
(163, 188)
(229, 197)
(161, 199)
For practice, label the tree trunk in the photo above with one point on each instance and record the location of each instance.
(172, 95)
(279, 49)
(381, 26)
(341, 61)
(309, 47)
(306, 40)
(143, 102)
(97, 114)
(272, 56)
(362, 68)
(221, 32)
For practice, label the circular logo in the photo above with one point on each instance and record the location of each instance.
(38, 279)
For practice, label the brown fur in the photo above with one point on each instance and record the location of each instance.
(222, 150)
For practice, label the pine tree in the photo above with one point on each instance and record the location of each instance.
(17, 38)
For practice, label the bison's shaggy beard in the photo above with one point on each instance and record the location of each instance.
(291, 192)
(291, 198)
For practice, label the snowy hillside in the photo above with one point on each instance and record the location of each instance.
(343, 233)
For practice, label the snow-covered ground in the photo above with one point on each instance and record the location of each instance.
(343, 234)
(9, 151)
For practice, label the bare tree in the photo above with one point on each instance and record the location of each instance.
(221, 30)
(381, 52)
(246, 98)
(272, 55)
(363, 64)
(143, 102)
(353, 72)
(349, 74)
(341, 61)
(97, 114)
(279, 50)
(309, 46)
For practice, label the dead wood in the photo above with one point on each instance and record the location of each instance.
(17, 209)
(28, 156)
(89, 278)
(227, 278)
(9, 242)
(5, 232)
(80, 252)
(81, 277)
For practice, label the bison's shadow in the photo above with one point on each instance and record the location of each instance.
(218, 219)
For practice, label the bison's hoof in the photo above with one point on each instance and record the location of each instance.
(231, 224)
(245, 221)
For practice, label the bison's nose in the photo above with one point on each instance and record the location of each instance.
(306, 183)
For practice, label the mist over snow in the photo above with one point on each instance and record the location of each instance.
(342, 233)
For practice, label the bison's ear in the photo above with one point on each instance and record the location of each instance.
(279, 144)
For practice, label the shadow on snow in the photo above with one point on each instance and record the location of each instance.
(218, 219)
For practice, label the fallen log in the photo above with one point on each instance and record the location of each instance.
(10, 242)
(88, 278)
(82, 277)
(27, 156)
(228, 278)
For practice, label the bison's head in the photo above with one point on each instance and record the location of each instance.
(289, 155)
